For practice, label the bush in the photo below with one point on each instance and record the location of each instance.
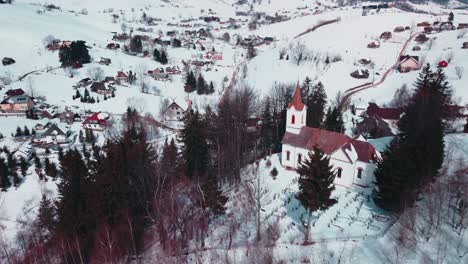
(274, 173)
(268, 163)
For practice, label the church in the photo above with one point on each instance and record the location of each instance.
(353, 159)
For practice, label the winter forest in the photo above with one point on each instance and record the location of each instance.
(225, 131)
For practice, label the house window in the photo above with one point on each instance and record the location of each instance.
(359, 173)
(287, 155)
(299, 158)
(339, 171)
(293, 119)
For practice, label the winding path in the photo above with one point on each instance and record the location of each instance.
(351, 91)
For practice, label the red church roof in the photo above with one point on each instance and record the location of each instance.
(329, 142)
(297, 99)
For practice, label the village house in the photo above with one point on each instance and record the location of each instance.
(399, 29)
(113, 46)
(360, 74)
(385, 113)
(7, 61)
(98, 121)
(163, 77)
(67, 116)
(353, 160)
(173, 70)
(175, 111)
(373, 45)
(424, 24)
(408, 63)
(421, 38)
(374, 127)
(121, 77)
(53, 136)
(428, 30)
(15, 104)
(85, 82)
(100, 88)
(105, 61)
(386, 35)
(462, 25)
(14, 92)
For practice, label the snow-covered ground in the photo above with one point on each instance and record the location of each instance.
(354, 225)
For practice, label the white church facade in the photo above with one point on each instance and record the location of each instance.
(353, 159)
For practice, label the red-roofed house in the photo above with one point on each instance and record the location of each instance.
(98, 121)
(121, 77)
(352, 159)
(385, 113)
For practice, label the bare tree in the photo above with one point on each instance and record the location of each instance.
(298, 52)
(226, 37)
(459, 71)
(141, 70)
(96, 73)
(401, 97)
(462, 33)
(164, 105)
(48, 40)
(449, 57)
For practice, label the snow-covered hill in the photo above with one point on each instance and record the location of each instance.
(354, 227)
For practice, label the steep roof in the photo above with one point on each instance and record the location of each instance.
(53, 130)
(329, 142)
(98, 118)
(297, 99)
(15, 92)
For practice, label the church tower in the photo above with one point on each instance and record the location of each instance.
(296, 113)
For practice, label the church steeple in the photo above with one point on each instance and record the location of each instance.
(296, 113)
(297, 99)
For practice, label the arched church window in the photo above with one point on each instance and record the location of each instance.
(359, 173)
(293, 119)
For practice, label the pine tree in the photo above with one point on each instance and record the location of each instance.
(37, 163)
(46, 217)
(450, 17)
(80, 136)
(194, 150)
(211, 89)
(315, 184)
(392, 178)
(74, 208)
(266, 128)
(170, 156)
(316, 101)
(24, 166)
(163, 59)
(4, 179)
(156, 55)
(16, 178)
(26, 131)
(47, 151)
(19, 132)
(334, 120)
(422, 126)
(201, 85)
(47, 166)
(212, 196)
(33, 132)
(190, 82)
(89, 136)
(60, 153)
